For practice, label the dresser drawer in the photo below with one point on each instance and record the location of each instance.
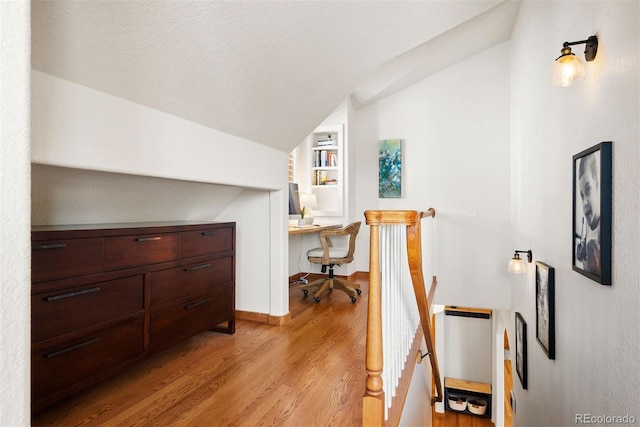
(132, 251)
(169, 285)
(57, 259)
(203, 242)
(182, 321)
(62, 366)
(62, 311)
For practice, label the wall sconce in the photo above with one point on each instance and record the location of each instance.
(568, 69)
(517, 265)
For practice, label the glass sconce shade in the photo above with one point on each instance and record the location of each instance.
(567, 70)
(517, 265)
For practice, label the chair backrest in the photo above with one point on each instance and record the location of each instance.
(350, 230)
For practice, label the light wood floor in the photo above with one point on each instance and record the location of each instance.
(452, 419)
(309, 372)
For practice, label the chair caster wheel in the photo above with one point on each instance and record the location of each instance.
(316, 299)
(359, 291)
(353, 300)
(305, 292)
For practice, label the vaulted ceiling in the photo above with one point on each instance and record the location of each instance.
(267, 71)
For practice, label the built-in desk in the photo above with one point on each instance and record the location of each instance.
(314, 228)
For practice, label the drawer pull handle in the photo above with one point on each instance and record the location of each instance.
(209, 233)
(148, 239)
(71, 348)
(50, 246)
(72, 294)
(198, 267)
(195, 304)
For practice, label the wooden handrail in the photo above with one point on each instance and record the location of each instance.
(373, 402)
(406, 217)
(414, 251)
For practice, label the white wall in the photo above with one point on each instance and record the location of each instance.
(500, 320)
(75, 126)
(597, 368)
(417, 410)
(455, 126)
(468, 348)
(75, 196)
(15, 243)
(253, 230)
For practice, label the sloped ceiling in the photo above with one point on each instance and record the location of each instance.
(476, 35)
(267, 71)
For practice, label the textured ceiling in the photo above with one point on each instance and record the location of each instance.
(268, 71)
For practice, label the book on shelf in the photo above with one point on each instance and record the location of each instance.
(325, 142)
(322, 178)
(324, 158)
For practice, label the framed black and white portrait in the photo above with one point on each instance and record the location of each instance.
(545, 309)
(521, 349)
(592, 184)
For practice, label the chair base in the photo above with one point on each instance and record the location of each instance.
(331, 283)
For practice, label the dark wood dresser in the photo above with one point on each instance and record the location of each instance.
(105, 296)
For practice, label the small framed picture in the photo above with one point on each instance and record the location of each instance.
(545, 309)
(390, 168)
(592, 184)
(521, 349)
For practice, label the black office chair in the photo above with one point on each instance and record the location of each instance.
(329, 255)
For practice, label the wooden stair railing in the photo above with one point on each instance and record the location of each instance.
(374, 401)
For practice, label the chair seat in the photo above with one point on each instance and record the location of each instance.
(329, 256)
(333, 252)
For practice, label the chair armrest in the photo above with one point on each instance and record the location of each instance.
(325, 241)
(350, 230)
(344, 231)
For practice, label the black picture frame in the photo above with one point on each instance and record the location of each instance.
(521, 349)
(592, 209)
(545, 309)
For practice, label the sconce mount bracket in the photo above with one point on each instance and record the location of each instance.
(590, 50)
(529, 254)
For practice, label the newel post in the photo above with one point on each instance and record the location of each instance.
(373, 401)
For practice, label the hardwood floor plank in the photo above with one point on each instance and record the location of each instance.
(452, 419)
